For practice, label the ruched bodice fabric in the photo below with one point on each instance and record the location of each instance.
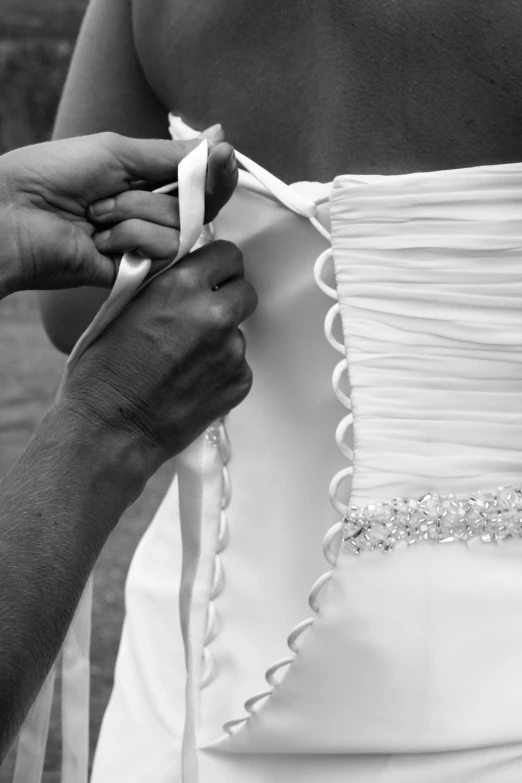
(429, 275)
(404, 667)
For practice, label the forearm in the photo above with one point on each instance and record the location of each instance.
(57, 507)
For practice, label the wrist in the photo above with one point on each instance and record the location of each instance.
(110, 456)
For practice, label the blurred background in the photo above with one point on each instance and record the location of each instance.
(36, 42)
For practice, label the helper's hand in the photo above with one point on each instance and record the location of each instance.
(55, 233)
(174, 360)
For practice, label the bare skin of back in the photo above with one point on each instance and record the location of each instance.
(307, 89)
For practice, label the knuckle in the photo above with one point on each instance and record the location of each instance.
(124, 202)
(243, 384)
(219, 317)
(185, 275)
(235, 350)
(132, 203)
(134, 226)
(250, 297)
(125, 231)
(252, 293)
(233, 253)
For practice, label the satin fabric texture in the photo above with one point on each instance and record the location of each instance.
(406, 666)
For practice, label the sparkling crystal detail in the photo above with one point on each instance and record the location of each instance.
(481, 517)
(213, 434)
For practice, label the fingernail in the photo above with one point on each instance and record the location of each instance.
(231, 164)
(209, 133)
(101, 208)
(103, 237)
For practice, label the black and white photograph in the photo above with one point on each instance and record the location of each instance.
(260, 391)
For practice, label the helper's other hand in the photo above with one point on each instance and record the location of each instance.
(55, 233)
(174, 360)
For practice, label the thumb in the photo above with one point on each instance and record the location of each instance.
(222, 178)
(85, 266)
(153, 160)
(93, 268)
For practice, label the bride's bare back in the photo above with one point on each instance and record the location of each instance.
(309, 89)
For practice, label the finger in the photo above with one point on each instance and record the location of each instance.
(212, 265)
(239, 298)
(238, 391)
(152, 207)
(148, 239)
(222, 176)
(221, 180)
(101, 272)
(148, 159)
(236, 348)
(85, 267)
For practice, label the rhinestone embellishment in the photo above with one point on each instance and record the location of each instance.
(480, 517)
(213, 434)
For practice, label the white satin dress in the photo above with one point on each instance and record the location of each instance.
(279, 627)
(246, 656)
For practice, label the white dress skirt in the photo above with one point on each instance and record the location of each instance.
(331, 591)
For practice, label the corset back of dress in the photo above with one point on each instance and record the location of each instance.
(290, 642)
(430, 281)
(429, 288)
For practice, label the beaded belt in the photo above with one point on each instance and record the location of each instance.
(480, 517)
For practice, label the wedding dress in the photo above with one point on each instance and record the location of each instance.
(331, 590)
